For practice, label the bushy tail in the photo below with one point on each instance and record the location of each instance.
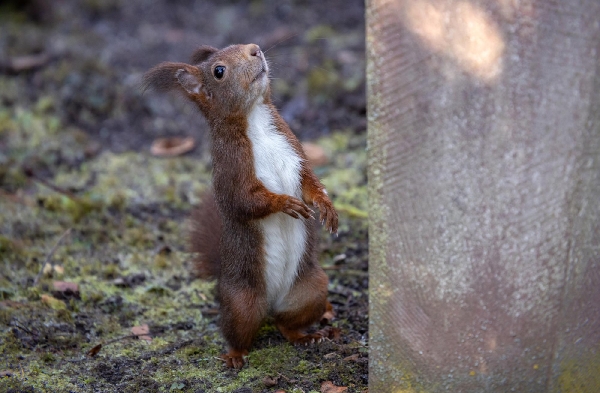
(205, 236)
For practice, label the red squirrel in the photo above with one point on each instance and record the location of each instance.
(254, 232)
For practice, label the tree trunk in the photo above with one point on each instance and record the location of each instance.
(484, 171)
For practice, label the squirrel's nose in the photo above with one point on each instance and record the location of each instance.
(254, 50)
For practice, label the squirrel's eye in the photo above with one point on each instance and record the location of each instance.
(219, 72)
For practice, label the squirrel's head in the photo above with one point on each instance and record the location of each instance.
(221, 82)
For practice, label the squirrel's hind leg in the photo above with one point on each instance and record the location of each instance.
(309, 297)
(242, 312)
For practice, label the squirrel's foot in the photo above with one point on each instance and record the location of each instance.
(234, 359)
(328, 332)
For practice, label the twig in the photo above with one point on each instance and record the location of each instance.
(29, 173)
(49, 256)
(284, 377)
(25, 329)
(94, 351)
(114, 340)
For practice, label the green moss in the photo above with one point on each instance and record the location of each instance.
(122, 213)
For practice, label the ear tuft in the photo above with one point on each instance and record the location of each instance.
(162, 77)
(202, 53)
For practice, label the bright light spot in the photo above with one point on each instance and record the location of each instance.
(460, 31)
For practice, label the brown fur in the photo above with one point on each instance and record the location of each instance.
(225, 232)
(205, 236)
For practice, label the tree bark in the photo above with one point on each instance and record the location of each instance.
(484, 171)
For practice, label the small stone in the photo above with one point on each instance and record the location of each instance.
(69, 288)
(142, 332)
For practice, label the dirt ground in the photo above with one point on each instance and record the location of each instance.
(82, 196)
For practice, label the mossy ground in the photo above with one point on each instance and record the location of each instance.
(73, 156)
(130, 263)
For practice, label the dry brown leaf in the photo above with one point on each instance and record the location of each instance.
(171, 147)
(315, 154)
(329, 387)
(142, 331)
(94, 351)
(270, 381)
(351, 358)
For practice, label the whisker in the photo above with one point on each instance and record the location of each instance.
(280, 41)
(331, 73)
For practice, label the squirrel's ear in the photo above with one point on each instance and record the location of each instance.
(162, 77)
(173, 76)
(190, 82)
(202, 53)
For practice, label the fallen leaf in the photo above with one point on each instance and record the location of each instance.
(315, 154)
(270, 382)
(53, 302)
(279, 391)
(330, 355)
(329, 387)
(142, 331)
(351, 358)
(94, 351)
(171, 147)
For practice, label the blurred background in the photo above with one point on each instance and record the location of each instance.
(81, 62)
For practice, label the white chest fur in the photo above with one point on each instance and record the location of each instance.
(277, 166)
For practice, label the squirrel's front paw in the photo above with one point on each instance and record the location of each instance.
(296, 208)
(328, 215)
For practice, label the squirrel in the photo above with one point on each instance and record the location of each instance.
(254, 231)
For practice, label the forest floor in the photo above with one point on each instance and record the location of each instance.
(93, 227)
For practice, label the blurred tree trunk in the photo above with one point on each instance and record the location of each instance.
(484, 171)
